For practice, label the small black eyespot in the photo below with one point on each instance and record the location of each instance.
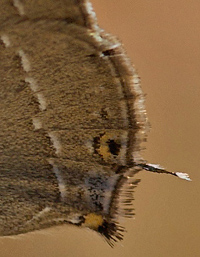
(113, 147)
(109, 52)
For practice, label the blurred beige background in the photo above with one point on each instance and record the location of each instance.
(162, 38)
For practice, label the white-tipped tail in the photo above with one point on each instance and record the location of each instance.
(156, 168)
(183, 176)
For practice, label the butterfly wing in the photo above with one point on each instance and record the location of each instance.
(71, 113)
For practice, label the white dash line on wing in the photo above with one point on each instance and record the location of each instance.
(37, 123)
(32, 83)
(40, 97)
(5, 39)
(42, 101)
(17, 4)
(61, 183)
(39, 215)
(55, 141)
(25, 62)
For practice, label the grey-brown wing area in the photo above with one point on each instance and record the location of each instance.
(66, 111)
(70, 10)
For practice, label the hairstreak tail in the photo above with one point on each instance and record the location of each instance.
(71, 120)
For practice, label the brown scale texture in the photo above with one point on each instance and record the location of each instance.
(84, 82)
